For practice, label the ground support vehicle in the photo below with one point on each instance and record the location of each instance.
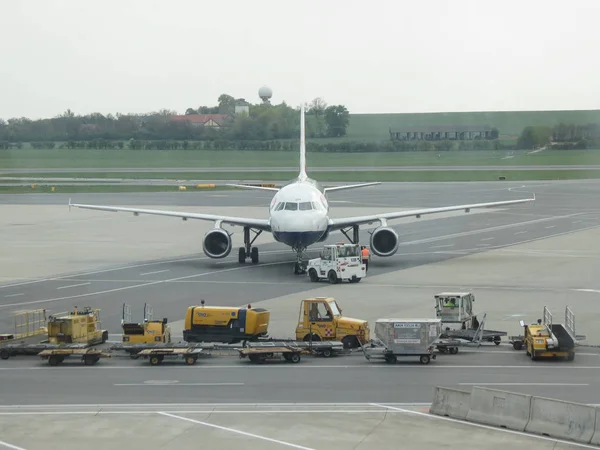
(227, 325)
(404, 337)
(259, 352)
(156, 355)
(320, 319)
(455, 309)
(89, 356)
(147, 332)
(23, 348)
(339, 262)
(76, 327)
(545, 339)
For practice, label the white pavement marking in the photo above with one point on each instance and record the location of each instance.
(179, 384)
(73, 285)
(232, 430)
(141, 285)
(312, 367)
(125, 267)
(197, 411)
(14, 295)
(487, 239)
(587, 290)
(520, 232)
(523, 384)
(156, 271)
(551, 226)
(198, 405)
(442, 246)
(7, 445)
(486, 427)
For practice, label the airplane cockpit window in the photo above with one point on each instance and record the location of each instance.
(279, 206)
(305, 206)
(289, 206)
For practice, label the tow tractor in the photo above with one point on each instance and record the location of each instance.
(455, 309)
(150, 331)
(545, 339)
(339, 262)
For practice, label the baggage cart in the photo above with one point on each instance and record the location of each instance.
(89, 356)
(259, 352)
(157, 355)
(22, 348)
(404, 338)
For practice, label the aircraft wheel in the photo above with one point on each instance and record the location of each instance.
(254, 255)
(242, 255)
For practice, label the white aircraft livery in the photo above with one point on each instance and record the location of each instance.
(299, 217)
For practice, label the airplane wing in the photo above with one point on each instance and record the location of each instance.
(260, 224)
(349, 186)
(260, 188)
(337, 224)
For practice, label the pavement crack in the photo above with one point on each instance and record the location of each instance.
(372, 430)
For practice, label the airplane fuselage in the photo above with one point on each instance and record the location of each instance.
(299, 214)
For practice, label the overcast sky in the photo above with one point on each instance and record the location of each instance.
(374, 57)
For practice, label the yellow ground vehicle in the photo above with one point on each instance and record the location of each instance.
(321, 320)
(225, 324)
(76, 327)
(545, 339)
(149, 332)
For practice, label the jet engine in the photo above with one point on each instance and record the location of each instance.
(384, 241)
(217, 243)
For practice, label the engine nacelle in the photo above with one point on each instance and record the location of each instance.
(384, 242)
(217, 243)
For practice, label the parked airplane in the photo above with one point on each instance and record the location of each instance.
(299, 217)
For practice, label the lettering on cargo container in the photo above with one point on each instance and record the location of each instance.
(407, 325)
(407, 341)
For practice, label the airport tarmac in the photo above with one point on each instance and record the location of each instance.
(515, 260)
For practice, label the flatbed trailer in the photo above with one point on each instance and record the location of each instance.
(8, 350)
(259, 352)
(89, 356)
(157, 355)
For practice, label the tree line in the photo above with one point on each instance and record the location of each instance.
(263, 122)
(562, 136)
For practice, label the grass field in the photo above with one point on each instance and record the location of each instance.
(99, 159)
(375, 127)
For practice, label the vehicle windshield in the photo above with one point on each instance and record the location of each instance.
(334, 309)
(348, 252)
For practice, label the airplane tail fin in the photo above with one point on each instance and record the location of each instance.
(302, 175)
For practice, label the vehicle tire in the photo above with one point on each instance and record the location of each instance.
(350, 342)
(357, 280)
(453, 350)
(254, 255)
(425, 359)
(89, 360)
(327, 353)
(190, 360)
(295, 358)
(155, 360)
(134, 356)
(104, 336)
(390, 359)
(54, 360)
(497, 340)
(571, 356)
(332, 277)
(4, 354)
(517, 345)
(242, 255)
(314, 277)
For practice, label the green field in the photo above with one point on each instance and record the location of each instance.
(100, 159)
(374, 127)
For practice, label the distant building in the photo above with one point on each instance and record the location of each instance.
(242, 106)
(441, 132)
(204, 120)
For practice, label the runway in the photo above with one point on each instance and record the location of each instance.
(516, 260)
(433, 168)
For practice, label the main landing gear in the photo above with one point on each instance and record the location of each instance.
(247, 251)
(354, 238)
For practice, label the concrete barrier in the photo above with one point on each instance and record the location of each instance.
(564, 420)
(450, 403)
(596, 436)
(499, 408)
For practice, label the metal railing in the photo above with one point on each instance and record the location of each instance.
(30, 323)
(547, 317)
(570, 321)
